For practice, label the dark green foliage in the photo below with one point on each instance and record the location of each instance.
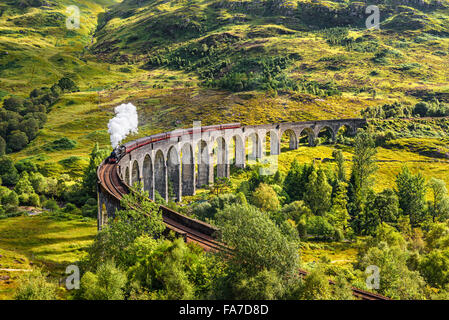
(411, 191)
(340, 160)
(97, 155)
(16, 140)
(396, 110)
(171, 270)
(207, 210)
(21, 119)
(25, 165)
(89, 209)
(245, 228)
(60, 144)
(296, 180)
(30, 127)
(361, 181)
(8, 171)
(13, 104)
(434, 268)
(2, 146)
(380, 207)
(317, 194)
(320, 226)
(67, 85)
(421, 109)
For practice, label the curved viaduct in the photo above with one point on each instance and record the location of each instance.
(142, 164)
(183, 162)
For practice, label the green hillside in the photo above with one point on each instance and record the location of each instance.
(218, 61)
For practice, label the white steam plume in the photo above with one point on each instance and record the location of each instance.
(124, 123)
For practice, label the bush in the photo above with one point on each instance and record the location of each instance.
(70, 207)
(34, 286)
(265, 285)
(30, 127)
(106, 284)
(265, 198)
(34, 200)
(17, 140)
(89, 209)
(51, 205)
(39, 182)
(13, 104)
(67, 84)
(420, 109)
(26, 165)
(8, 171)
(9, 200)
(24, 186)
(23, 199)
(319, 226)
(60, 144)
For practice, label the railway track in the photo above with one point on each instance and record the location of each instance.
(110, 180)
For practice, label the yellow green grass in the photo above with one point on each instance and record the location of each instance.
(27, 242)
(337, 253)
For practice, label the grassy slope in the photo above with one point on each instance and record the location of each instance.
(28, 241)
(174, 98)
(39, 55)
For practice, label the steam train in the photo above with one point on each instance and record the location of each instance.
(120, 151)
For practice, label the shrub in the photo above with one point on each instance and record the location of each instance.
(89, 209)
(17, 140)
(51, 205)
(70, 207)
(26, 165)
(319, 226)
(24, 186)
(10, 201)
(106, 284)
(13, 104)
(8, 171)
(60, 144)
(67, 84)
(30, 127)
(34, 286)
(39, 182)
(24, 198)
(265, 198)
(34, 200)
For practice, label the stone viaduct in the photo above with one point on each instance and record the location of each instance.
(176, 166)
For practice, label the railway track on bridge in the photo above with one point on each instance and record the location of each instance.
(110, 180)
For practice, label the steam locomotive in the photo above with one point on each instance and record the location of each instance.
(120, 151)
